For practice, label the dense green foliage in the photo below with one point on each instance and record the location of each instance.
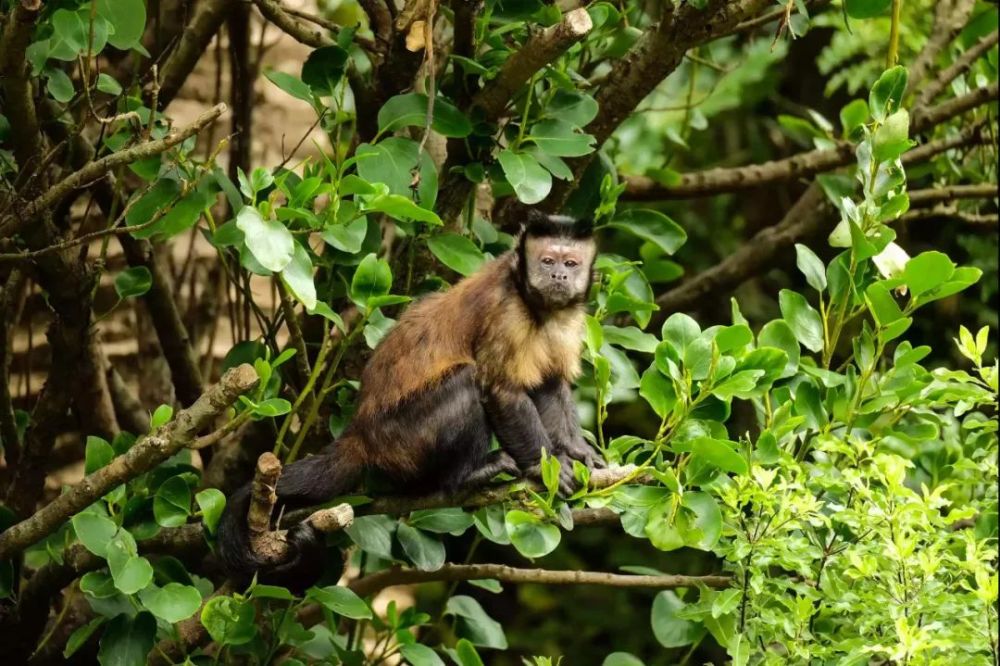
(827, 438)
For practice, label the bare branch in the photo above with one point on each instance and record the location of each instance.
(304, 34)
(142, 457)
(934, 195)
(950, 16)
(376, 582)
(924, 118)
(194, 40)
(19, 106)
(957, 68)
(980, 222)
(98, 168)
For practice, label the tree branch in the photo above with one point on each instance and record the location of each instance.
(957, 68)
(924, 118)
(98, 168)
(377, 582)
(723, 180)
(19, 106)
(142, 457)
(194, 40)
(934, 195)
(949, 19)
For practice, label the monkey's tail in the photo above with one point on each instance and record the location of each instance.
(307, 482)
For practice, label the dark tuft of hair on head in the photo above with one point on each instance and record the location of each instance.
(544, 225)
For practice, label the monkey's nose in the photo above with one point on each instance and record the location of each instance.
(560, 276)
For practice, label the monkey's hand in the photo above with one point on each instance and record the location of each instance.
(577, 448)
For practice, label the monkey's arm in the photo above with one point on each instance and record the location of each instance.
(519, 429)
(554, 402)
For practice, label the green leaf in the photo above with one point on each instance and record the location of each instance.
(127, 640)
(59, 85)
(658, 391)
(272, 407)
(811, 267)
(864, 9)
(373, 534)
(804, 321)
(573, 107)
(272, 592)
(630, 337)
(778, 334)
(392, 161)
(347, 237)
(680, 330)
(161, 415)
(530, 181)
(157, 198)
(340, 600)
(426, 552)
(853, 115)
(298, 277)
(411, 110)
(660, 526)
(717, 452)
(127, 19)
(182, 216)
(229, 621)
(892, 138)
(372, 277)
(134, 281)
(172, 503)
(670, 630)
(173, 602)
(652, 226)
(324, 68)
(621, 659)
(292, 85)
(98, 454)
(130, 572)
(402, 208)
(449, 520)
(887, 94)
(530, 535)
(268, 240)
(560, 138)
(735, 337)
(456, 252)
(474, 624)
(211, 501)
(738, 384)
(94, 531)
(701, 521)
(416, 654)
(882, 304)
(466, 655)
(81, 635)
(926, 271)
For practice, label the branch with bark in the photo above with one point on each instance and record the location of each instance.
(99, 168)
(146, 454)
(374, 583)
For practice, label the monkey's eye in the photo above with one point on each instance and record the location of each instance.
(548, 261)
(570, 263)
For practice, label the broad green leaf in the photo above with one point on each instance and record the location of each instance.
(811, 267)
(680, 330)
(778, 334)
(161, 415)
(94, 531)
(701, 521)
(804, 321)
(59, 85)
(372, 277)
(130, 572)
(670, 630)
(426, 552)
(416, 654)
(466, 655)
(182, 216)
(229, 621)
(652, 226)
(172, 503)
(735, 337)
(128, 22)
(863, 9)
(173, 602)
(450, 520)
(530, 535)
(622, 659)
(272, 407)
(556, 137)
(134, 281)
(98, 454)
(392, 161)
(475, 624)
(630, 337)
(530, 181)
(81, 635)
(853, 115)
(717, 452)
(402, 208)
(324, 68)
(292, 85)
(882, 304)
(211, 501)
(456, 252)
(926, 271)
(573, 107)
(411, 110)
(347, 237)
(157, 198)
(340, 600)
(269, 241)
(127, 640)
(658, 391)
(298, 277)
(887, 93)
(373, 534)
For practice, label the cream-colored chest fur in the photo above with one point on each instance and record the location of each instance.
(520, 352)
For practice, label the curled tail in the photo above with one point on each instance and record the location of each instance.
(307, 482)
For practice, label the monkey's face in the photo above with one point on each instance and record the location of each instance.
(558, 270)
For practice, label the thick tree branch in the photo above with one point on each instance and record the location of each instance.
(377, 582)
(976, 221)
(142, 457)
(933, 195)
(19, 107)
(722, 180)
(304, 34)
(98, 168)
(924, 118)
(950, 16)
(195, 38)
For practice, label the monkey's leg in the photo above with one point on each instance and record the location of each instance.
(499, 462)
(554, 402)
(518, 426)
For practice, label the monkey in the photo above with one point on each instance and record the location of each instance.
(494, 354)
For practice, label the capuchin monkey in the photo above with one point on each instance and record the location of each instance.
(495, 353)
